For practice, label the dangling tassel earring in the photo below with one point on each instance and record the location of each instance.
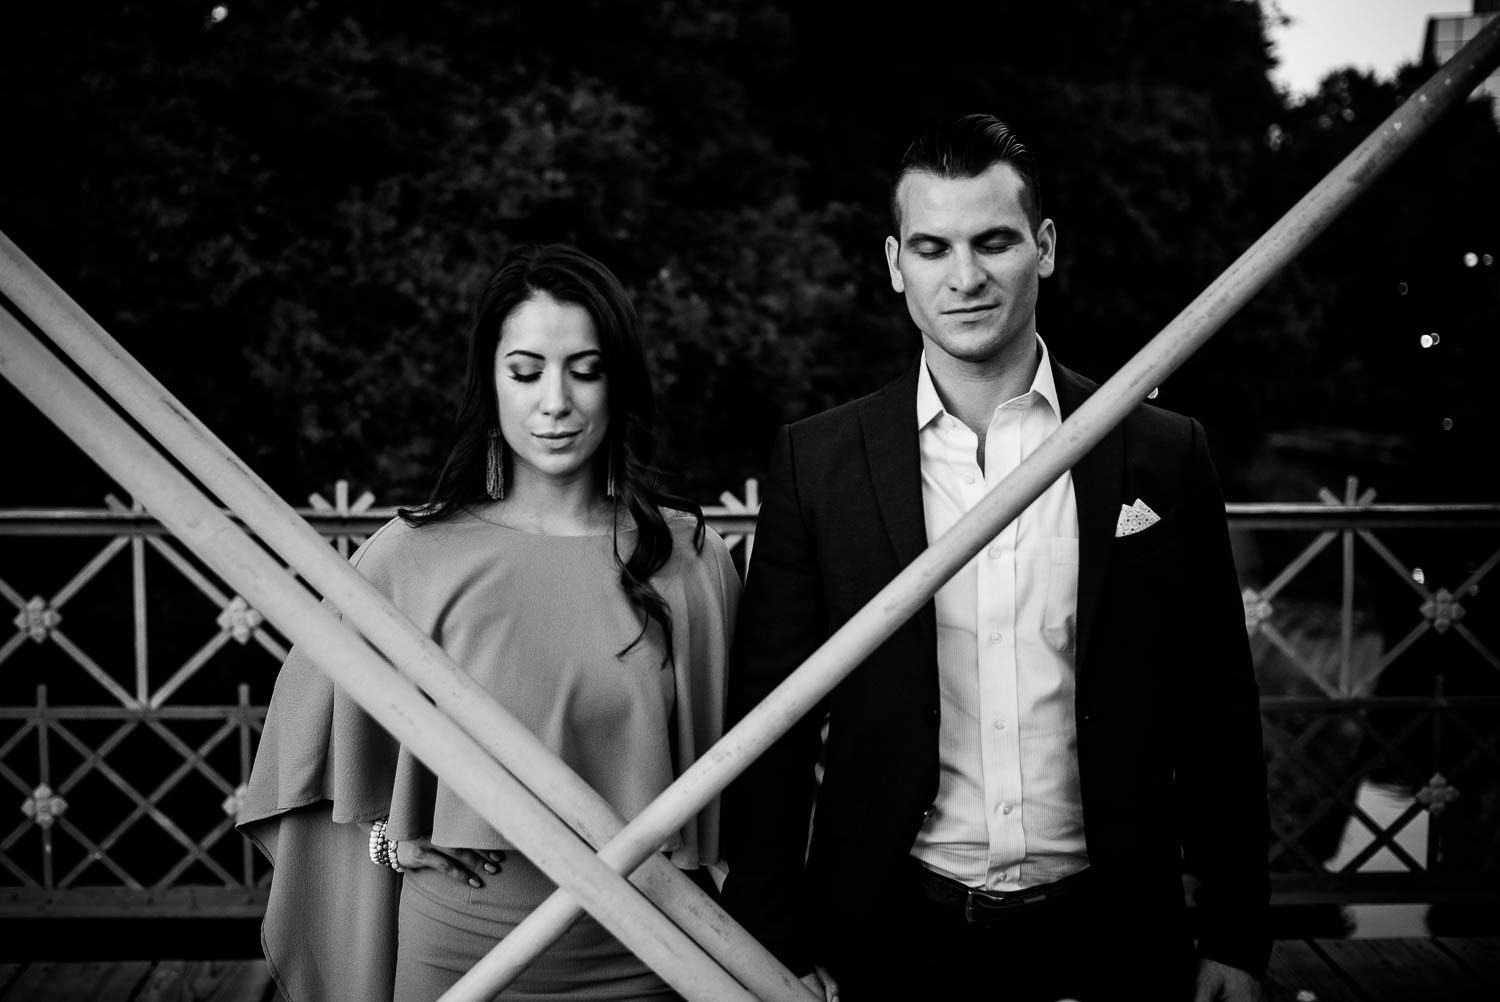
(609, 480)
(494, 467)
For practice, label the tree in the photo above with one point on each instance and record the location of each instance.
(286, 212)
(1415, 256)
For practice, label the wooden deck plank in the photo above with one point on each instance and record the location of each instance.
(208, 981)
(1296, 967)
(1325, 970)
(97, 981)
(1398, 970)
(1481, 956)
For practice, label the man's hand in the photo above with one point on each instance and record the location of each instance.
(1221, 983)
(822, 982)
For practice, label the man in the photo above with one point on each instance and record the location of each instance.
(1013, 784)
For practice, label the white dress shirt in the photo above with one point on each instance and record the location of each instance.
(1009, 813)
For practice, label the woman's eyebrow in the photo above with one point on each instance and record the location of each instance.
(586, 353)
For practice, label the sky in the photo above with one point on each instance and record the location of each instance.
(1374, 35)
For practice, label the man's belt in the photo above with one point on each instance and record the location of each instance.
(980, 907)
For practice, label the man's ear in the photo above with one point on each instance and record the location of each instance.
(1046, 248)
(892, 254)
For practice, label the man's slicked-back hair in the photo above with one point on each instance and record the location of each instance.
(966, 146)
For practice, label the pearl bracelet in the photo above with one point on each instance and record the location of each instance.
(382, 848)
(378, 851)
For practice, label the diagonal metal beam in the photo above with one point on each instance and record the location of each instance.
(901, 599)
(904, 595)
(393, 701)
(504, 737)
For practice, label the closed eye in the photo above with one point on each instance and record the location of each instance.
(925, 245)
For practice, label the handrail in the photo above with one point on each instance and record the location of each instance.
(909, 590)
(112, 522)
(1241, 515)
(392, 700)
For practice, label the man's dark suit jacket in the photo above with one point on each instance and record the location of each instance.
(1169, 743)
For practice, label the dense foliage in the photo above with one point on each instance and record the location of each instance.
(285, 212)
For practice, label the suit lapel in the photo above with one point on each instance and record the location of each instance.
(889, 423)
(1098, 480)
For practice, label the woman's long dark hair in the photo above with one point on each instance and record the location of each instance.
(570, 276)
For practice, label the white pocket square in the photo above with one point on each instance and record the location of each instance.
(1134, 518)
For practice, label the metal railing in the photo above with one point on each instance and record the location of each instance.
(107, 676)
(132, 693)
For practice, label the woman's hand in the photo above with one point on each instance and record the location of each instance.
(462, 865)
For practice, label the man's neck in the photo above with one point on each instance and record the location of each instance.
(971, 391)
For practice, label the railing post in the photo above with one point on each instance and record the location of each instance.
(138, 612)
(44, 779)
(1434, 818)
(247, 760)
(1346, 609)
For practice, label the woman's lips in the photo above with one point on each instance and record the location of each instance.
(555, 440)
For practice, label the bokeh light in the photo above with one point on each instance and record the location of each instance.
(1430, 340)
(1471, 259)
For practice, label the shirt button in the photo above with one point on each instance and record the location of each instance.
(1006, 808)
(968, 478)
(994, 553)
(999, 724)
(996, 637)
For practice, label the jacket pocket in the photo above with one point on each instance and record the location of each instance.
(1161, 537)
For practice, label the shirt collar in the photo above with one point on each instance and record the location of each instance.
(930, 406)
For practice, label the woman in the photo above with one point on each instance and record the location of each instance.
(593, 607)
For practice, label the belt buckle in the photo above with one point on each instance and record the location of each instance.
(985, 898)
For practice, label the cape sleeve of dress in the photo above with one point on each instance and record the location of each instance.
(330, 925)
(702, 626)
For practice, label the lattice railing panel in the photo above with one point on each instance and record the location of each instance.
(1401, 595)
(133, 684)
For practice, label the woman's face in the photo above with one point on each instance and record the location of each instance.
(551, 389)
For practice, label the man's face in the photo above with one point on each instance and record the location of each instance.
(968, 263)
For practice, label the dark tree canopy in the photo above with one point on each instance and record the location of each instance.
(286, 213)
